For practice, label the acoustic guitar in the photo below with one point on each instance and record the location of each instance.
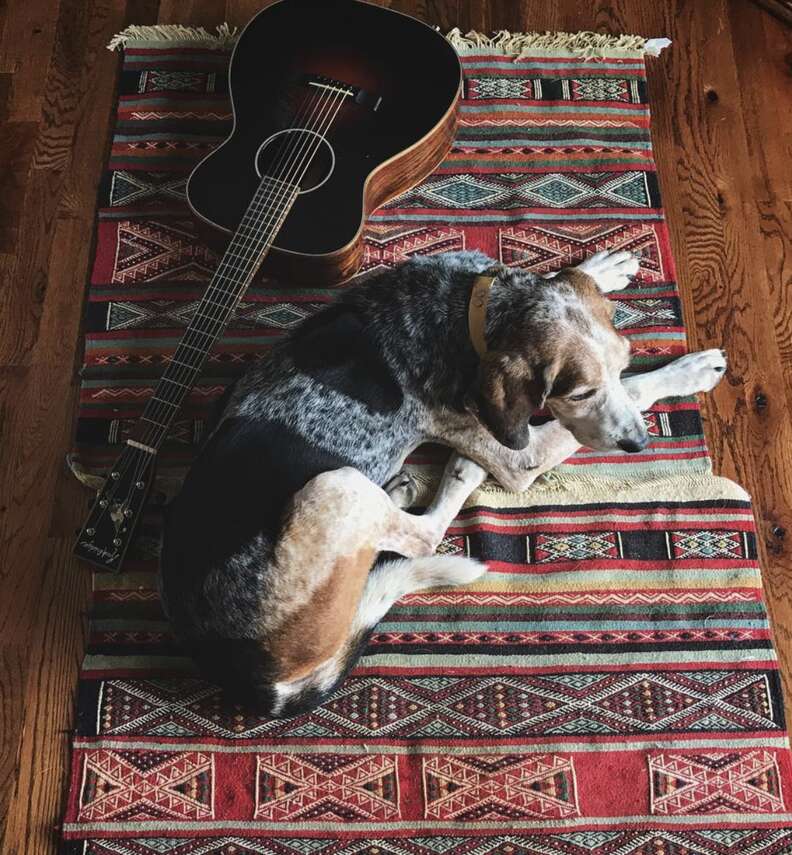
(339, 106)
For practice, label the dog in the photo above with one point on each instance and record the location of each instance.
(278, 553)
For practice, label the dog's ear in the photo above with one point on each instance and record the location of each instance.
(510, 389)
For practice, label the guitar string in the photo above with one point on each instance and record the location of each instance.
(277, 159)
(158, 431)
(215, 314)
(255, 242)
(246, 256)
(278, 196)
(143, 459)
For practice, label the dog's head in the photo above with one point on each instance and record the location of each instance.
(556, 346)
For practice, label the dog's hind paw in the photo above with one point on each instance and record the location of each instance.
(402, 489)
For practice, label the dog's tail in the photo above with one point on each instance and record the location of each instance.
(390, 580)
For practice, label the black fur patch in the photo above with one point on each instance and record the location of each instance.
(237, 490)
(335, 349)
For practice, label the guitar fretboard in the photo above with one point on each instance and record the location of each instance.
(244, 255)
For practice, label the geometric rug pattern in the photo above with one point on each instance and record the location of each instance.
(610, 687)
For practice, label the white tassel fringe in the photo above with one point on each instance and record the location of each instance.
(518, 45)
(176, 35)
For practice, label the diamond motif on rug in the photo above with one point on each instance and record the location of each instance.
(450, 707)
(326, 787)
(461, 191)
(556, 190)
(137, 785)
(645, 312)
(499, 87)
(707, 544)
(543, 249)
(127, 187)
(477, 788)
(718, 782)
(600, 89)
(580, 546)
(147, 251)
(165, 314)
(385, 246)
(156, 80)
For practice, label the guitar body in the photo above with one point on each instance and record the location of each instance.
(339, 105)
(393, 129)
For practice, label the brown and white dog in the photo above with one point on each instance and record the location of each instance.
(277, 558)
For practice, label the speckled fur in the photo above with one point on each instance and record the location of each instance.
(280, 428)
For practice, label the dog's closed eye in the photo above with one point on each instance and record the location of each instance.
(581, 396)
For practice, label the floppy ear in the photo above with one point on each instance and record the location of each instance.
(510, 389)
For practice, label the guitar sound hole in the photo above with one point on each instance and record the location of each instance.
(298, 156)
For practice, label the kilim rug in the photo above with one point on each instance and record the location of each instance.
(610, 688)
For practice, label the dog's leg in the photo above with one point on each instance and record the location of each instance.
(611, 271)
(460, 479)
(688, 375)
(321, 593)
(551, 444)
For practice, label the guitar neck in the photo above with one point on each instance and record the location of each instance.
(243, 257)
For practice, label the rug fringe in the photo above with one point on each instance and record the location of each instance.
(176, 35)
(519, 45)
(555, 486)
(584, 44)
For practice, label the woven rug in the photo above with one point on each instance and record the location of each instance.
(609, 688)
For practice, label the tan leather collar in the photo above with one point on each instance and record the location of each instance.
(477, 312)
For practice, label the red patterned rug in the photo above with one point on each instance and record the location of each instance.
(610, 688)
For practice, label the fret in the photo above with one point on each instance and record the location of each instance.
(195, 331)
(146, 418)
(200, 350)
(222, 306)
(166, 379)
(198, 316)
(245, 252)
(280, 181)
(163, 401)
(182, 364)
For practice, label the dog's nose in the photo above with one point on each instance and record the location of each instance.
(633, 446)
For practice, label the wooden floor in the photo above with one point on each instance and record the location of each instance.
(723, 140)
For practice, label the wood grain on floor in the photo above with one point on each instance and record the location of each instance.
(723, 141)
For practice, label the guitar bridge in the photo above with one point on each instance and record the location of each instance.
(360, 96)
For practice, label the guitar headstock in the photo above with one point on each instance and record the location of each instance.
(108, 531)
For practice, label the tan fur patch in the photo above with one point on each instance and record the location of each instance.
(319, 629)
(600, 306)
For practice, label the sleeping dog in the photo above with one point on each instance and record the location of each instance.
(277, 556)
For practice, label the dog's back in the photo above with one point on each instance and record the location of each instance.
(332, 396)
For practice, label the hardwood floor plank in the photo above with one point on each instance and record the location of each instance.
(16, 153)
(39, 345)
(13, 672)
(725, 289)
(763, 52)
(29, 31)
(195, 13)
(48, 699)
(775, 223)
(78, 60)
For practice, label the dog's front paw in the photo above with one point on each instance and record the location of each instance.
(610, 270)
(519, 472)
(697, 372)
